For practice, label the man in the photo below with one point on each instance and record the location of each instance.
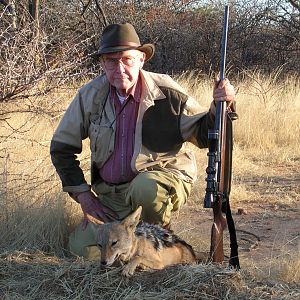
(137, 123)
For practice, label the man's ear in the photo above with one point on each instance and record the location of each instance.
(142, 59)
(133, 219)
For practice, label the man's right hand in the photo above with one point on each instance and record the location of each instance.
(91, 205)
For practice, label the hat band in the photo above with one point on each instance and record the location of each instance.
(125, 44)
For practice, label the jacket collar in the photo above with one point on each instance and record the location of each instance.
(150, 91)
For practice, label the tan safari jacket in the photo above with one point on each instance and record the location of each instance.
(167, 118)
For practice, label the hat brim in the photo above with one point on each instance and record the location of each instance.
(148, 49)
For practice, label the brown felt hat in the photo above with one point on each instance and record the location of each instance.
(121, 37)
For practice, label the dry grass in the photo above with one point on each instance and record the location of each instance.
(269, 113)
(41, 277)
(36, 216)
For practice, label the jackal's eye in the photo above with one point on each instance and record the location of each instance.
(99, 245)
(114, 243)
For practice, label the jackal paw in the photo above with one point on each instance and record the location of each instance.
(128, 271)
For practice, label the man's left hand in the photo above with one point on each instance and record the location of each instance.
(223, 91)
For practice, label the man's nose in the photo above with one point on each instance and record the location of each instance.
(120, 66)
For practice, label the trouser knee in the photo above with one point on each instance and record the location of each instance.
(143, 192)
(82, 243)
(156, 193)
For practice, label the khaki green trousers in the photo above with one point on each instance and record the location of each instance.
(159, 193)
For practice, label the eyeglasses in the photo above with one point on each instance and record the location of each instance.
(112, 63)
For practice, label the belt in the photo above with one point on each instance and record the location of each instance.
(115, 184)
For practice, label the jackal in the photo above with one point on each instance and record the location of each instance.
(140, 246)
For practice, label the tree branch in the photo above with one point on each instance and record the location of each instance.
(102, 13)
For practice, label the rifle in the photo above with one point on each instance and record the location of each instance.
(219, 171)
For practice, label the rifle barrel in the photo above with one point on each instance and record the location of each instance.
(224, 43)
(214, 170)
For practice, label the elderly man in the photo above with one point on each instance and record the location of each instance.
(137, 123)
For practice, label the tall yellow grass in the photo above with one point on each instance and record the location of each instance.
(268, 108)
(35, 214)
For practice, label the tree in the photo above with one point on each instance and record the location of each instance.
(33, 8)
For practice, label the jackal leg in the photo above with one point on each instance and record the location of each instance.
(139, 261)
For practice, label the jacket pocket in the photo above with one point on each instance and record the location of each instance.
(101, 142)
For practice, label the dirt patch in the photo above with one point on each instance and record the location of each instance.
(268, 227)
(263, 233)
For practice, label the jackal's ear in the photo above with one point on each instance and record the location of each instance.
(95, 228)
(95, 223)
(94, 220)
(133, 219)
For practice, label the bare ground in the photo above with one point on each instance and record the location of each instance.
(268, 227)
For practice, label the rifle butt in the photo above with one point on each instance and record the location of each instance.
(218, 227)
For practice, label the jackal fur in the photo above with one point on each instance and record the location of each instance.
(140, 245)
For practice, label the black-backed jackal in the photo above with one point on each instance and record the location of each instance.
(140, 246)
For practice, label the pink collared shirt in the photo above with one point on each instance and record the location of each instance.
(117, 168)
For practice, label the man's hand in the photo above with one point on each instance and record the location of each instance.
(91, 205)
(223, 91)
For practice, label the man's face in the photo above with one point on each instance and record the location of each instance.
(122, 69)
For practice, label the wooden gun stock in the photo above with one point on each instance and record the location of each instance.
(220, 223)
